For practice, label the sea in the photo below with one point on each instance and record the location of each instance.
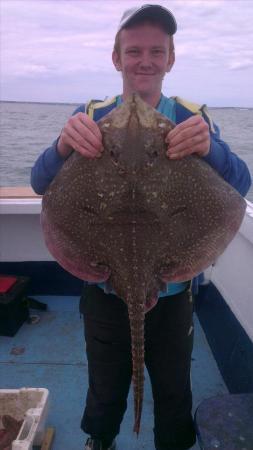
(26, 129)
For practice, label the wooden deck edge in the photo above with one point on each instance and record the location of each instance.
(18, 192)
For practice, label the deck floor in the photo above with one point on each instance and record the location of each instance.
(54, 358)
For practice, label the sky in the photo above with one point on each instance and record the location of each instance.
(60, 50)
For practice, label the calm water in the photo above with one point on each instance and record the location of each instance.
(28, 128)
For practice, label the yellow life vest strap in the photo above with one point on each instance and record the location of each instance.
(195, 108)
(92, 105)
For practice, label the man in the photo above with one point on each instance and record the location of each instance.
(143, 53)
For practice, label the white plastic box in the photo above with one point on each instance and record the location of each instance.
(31, 406)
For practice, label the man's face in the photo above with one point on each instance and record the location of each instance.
(144, 58)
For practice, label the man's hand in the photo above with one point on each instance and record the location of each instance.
(82, 134)
(190, 136)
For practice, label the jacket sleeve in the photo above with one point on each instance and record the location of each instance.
(48, 165)
(220, 157)
(232, 168)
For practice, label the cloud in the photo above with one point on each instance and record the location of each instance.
(54, 40)
(29, 69)
(240, 65)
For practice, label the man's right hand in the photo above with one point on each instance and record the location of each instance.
(81, 134)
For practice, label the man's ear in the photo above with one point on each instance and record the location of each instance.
(171, 58)
(171, 61)
(116, 60)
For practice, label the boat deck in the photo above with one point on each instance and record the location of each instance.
(52, 356)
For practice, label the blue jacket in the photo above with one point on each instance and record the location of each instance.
(220, 157)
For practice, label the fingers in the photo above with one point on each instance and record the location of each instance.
(187, 130)
(79, 144)
(87, 136)
(188, 137)
(83, 135)
(182, 150)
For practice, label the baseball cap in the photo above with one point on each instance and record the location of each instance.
(160, 13)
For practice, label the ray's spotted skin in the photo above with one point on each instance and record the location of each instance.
(136, 219)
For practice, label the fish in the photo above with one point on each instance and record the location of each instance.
(9, 433)
(137, 220)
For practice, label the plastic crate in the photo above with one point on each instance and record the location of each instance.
(31, 406)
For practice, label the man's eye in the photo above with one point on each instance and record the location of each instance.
(133, 52)
(158, 51)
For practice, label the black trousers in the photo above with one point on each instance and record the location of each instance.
(168, 348)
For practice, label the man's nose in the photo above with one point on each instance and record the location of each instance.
(145, 60)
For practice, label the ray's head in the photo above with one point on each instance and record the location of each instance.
(134, 133)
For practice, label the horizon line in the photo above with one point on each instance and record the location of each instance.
(79, 103)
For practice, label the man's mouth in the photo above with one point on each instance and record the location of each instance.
(146, 74)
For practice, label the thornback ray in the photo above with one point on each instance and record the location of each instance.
(136, 219)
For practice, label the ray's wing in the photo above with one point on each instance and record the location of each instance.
(203, 215)
(72, 218)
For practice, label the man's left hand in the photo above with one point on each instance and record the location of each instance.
(188, 137)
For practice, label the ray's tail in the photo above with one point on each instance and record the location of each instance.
(136, 318)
